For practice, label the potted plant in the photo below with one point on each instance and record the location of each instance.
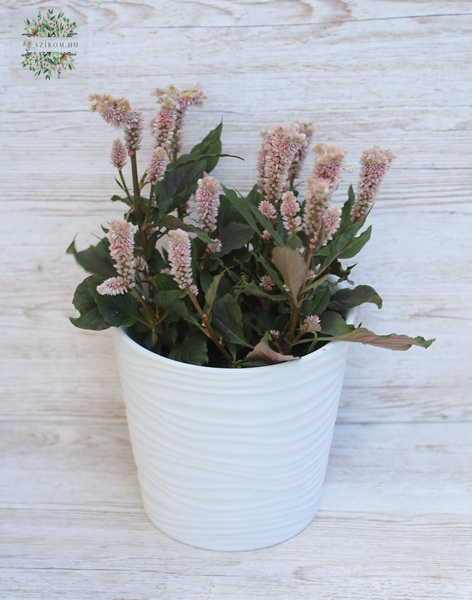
(231, 313)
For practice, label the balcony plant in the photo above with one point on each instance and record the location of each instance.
(228, 285)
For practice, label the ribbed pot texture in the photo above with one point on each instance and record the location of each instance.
(230, 459)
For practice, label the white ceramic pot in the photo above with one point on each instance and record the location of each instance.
(230, 459)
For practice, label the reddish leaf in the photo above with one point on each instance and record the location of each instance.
(392, 341)
(263, 353)
(293, 268)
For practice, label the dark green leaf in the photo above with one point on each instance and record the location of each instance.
(192, 350)
(316, 304)
(119, 310)
(332, 323)
(95, 259)
(242, 207)
(171, 222)
(171, 300)
(178, 184)
(116, 198)
(350, 297)
(338, 245)
(235, 236)
(227, 318)
(266, 224)
(357, 244)
(164, 282)
(211, 144)
(252, 289)
(346, 211)
(84, 302)
(210, 294)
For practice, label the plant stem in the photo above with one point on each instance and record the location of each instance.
(124, 184)
(136, 205)
(153, 318)
(134, 171)
(295, 313)
(208, 330)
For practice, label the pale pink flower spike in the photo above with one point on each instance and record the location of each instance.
(133, 132)
(180, 259)
(299, 158)
(162, 126)
(316, 202)
(121, 237)
(329, 164)
(268, 210)
(331, 221)
(289, 209)
(157, 166)
(115, 111)
(375, 163)
(207, 198)
(113, 286)
(278, 150)
(118, 154)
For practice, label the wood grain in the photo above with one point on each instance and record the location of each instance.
(395, 521)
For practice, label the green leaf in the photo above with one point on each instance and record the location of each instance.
(171, 300)
(210, 294)
(227, 318)
(348, 297)
(266, 224)
(263, 353)
(84, 302)
(332, 323)
(235, 236)
(171, 222)
(338, 245)
(166, 298)
(119, 310)
(317, 303)
(179, 183)
(192, 350)
(357, 244)
(242, 207)
(116, 198)
(211, 144)
(346, 211)
(391, 342)
(187, 159)
(164, 282)
(252, 289)
(293, 268)
(95, 259)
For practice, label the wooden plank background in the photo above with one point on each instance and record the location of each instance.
(396, 517)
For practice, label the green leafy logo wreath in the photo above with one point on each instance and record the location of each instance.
(47, 26)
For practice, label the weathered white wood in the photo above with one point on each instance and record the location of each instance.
(395, 523)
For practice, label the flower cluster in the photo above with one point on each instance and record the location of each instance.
(375, 163)
(281, 147)
(167, 125)
(199, 273)
(121, 238)
(179, 258)
(207, 198)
